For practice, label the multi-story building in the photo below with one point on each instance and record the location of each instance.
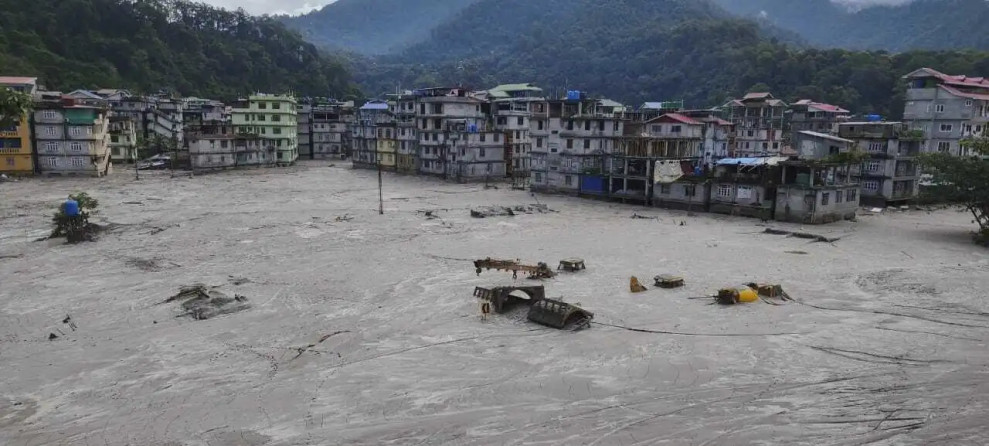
(947, 108)
(718, 135)
(386, 147)
(456, 139)
(15, 141)
(818, 187)
(272, 118)
(806, 114)
(759, 121)
(511, 109)
(370, 116)
(403, 108)
(323, 130)
(891, 175)
(573, 137)
(652, 159)
(71, 138)
(123, 140)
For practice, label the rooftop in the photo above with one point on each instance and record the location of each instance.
(824, 136)
(956, 80)
(820, 106)
(17, 80)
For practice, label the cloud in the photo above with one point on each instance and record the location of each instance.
(855, 5)
(258, 7)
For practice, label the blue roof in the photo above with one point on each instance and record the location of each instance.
(376, 105)
(756, 161)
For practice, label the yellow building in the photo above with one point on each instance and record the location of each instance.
(15, 150)
(15, 142)
(387, 147)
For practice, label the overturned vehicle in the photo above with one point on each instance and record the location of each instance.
(543, 311)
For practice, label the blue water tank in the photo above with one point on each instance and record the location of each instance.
(72, 208)
(873, 118)
(573, 95)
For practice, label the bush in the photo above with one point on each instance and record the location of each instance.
(76, 229)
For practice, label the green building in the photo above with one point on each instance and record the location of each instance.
(272, 118)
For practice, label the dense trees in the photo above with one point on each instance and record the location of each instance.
(374, 26)
(13, 106)
(703, 61)
(963, 180)
(918, 24)
(152, 44)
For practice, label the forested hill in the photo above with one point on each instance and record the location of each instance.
(627, 51)
(147, 45)
(374, 26)
(919, 24)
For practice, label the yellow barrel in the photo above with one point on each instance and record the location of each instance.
(746, 294)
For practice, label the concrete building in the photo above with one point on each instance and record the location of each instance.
(365, 133)
(15, 142)
(745, 186)
(574, 137)
(947, 108)
(71, 138)
(806, 114)
(403, 108)
(891, 175)
(648, 159)
(818, 187)
(123, 140)
(759, 120)
(323, 132)
(511, 109)
(457, 141)
(273, 118)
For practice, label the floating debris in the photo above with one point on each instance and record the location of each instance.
(571, 265)
(539, 271)
(804, 235)
(509, 211)
(668, 281)
(634, 285)
(201, 302)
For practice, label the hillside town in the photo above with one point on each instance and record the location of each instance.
(756, 156)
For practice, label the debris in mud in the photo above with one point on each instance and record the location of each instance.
(643, 217)
(571, 265)
(201, 302)
(634, 285)
(668, 281)
(68, 321)
(804, 235)
(543, 311)
(52, 336)
(302, 350)
(797, 252)
(506, 211)
(539, 271)
(238, 280)
(344, 218)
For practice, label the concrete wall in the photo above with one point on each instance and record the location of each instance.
(816, 205)
(674, 196)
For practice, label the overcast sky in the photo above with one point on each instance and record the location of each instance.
(303, 6)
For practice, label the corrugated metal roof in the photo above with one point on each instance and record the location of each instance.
(824, 136)
(755, 161)
(16, 80)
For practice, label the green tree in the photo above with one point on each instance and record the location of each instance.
(13, 106)
(963, 180)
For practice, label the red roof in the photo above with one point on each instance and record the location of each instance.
(957, 92)
(957, 80)
(821, 106)
(681, 118)
(17, 80)
(758, 95)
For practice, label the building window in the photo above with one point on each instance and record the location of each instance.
(872, 166)
(724, 191)
(276, 106)
(539, 124)
(78, 162)
(871, 185)
(223, 144)
(825, 198)
(481, 152)
(497, 137)
(539, 142)
(851, 195)
(587, 144)
(664, 189)
(839, 196)
(945, 128)
(968, 103)
(568, 180)
(675, 128)
(750, 133)
(75, 147)
(49, 114)
(587, 125)
(569, 143)
(263, 105)
(939, 108)
(482, 137)
(51, 147)
(521, 120)
(943, 146)
(539, 177)
(276, 118)
(261, 118)
(75, 131)
(690, 190)
(52, 162)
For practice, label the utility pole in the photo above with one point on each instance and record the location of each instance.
(381, 200)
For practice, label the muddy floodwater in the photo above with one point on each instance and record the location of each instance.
(345, 327)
